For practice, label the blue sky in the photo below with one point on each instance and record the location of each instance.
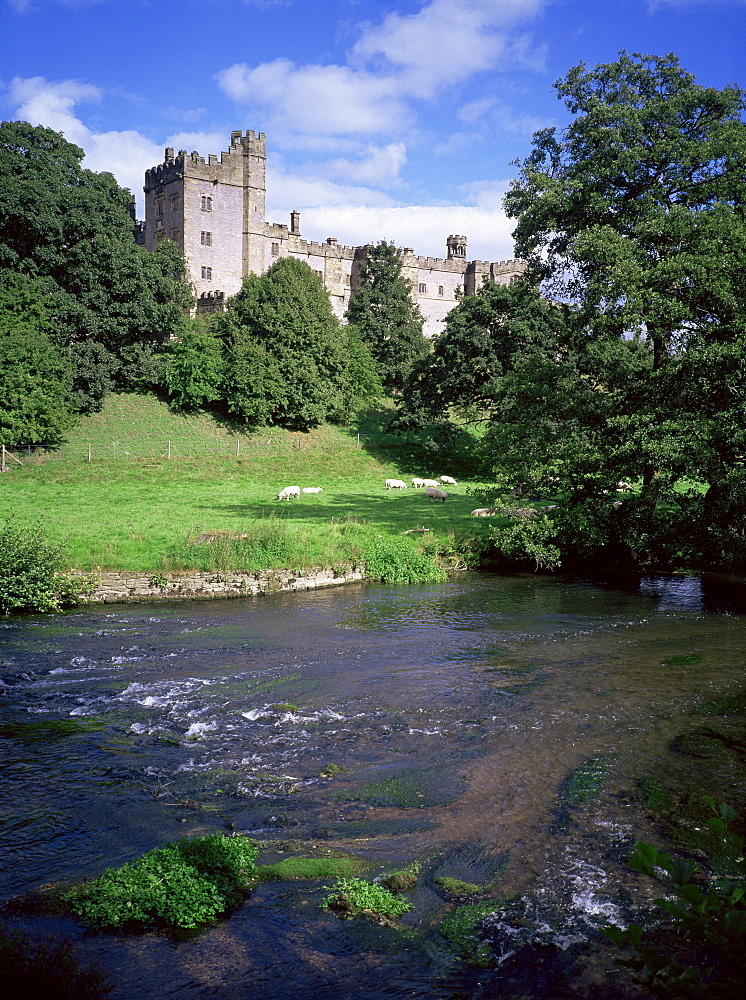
(385, 119)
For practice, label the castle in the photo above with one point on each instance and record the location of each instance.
(214, 211)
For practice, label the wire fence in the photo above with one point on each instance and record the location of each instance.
(169, 449)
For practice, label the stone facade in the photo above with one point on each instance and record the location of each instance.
(214, 209)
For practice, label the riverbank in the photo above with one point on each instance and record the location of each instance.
(114, 587)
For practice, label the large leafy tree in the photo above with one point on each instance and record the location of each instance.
(71, 228)
(637, 213)
(285, 359)
(389, 321)
(637, 209)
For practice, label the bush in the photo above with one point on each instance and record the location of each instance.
(29, 564)
(354, 895)
(182, 885)
(395, 560)
(45, 968)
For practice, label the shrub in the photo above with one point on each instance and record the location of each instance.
(354, 895)
(395, 560)
(181, 885)
(29, 567)
(45, 968)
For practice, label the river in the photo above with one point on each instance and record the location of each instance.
(456, 716)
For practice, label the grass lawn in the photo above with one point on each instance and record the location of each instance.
(142, 511)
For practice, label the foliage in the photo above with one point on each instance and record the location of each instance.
(285, 359)
(486, 335)
(361, 385)
(389, 322)
(528, 539)
(697, 951)
(395, 560)
(46, 968)
(354, 896)
(29, 567)
(457, 887)
(460, 928)
(292, 869)
(194, 367)
(70, 230)
(36, 376)
(585, 782)
(184, 884)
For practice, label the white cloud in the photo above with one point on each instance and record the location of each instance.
(378, 165)
(422, 227)
(655, 5)
(325, 100)
(446, 41)
(40, 102)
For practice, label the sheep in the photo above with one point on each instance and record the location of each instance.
(288, 491)
(433, 494)
(448, 481)
(483, 512)
(312, 489)
(395, 484)
(432, 483)
(418, 483)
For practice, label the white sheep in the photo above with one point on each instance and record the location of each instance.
(312, 489)
(418, 483)
(483, 512)
(431, 482)
(288, 491)
(395, 484)
(448, 481)
(435, 494)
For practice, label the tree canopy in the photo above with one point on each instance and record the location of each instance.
(382, 309)
(70, 230)
(285, 359)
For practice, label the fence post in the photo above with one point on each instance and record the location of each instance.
(358, 439)
(2, 467)
(238, 447)
(115, 448)
(169, 449)
(89, 451)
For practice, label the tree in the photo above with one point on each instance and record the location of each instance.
(637, 210)
(637, 213)
(36, 377)
(194, 367)
(72, 229)
(285, 359)
(382, 309)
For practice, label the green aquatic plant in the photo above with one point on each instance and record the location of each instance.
(460, 929)
(353, 896)
(585, 782)
(181, 885)
(457, 887)
(695, 951)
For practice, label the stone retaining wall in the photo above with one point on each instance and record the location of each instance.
(115, 587)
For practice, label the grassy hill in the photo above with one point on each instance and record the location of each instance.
(132, 507)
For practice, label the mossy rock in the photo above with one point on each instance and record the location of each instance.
(687, 660)
(586, 781)
(399, 881)
(330, 771)
(308, 869)
(457, 887)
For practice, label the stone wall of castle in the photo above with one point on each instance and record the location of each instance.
(214, 210)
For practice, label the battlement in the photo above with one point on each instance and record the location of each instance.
(175, 167)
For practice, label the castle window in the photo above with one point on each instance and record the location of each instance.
(206, 203)
(174, 235)
(207, 273)
(174, 202)
(159, 206)
(275, 249)
(441, 290)
(422, 288)
(205, 239)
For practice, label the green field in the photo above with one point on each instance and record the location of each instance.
(131, 507)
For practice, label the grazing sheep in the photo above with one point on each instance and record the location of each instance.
(527, 512)
(448, 481)
(431, 482)
(418, 483)
(483, 512)
(312, 489)
(433, 494)
(395, 484)
(289, 491)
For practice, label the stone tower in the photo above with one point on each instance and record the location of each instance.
(213, 210)
(456, 247)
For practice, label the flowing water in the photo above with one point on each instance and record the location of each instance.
(460, 717)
